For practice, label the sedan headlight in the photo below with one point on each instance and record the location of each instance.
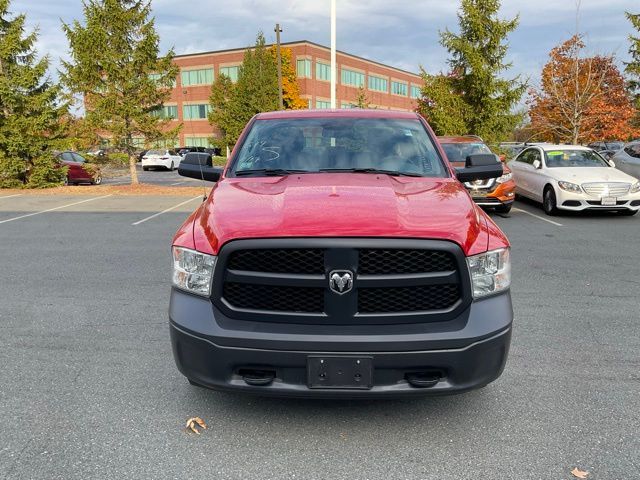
(504, 178)
(490, 272)
(570, 187)
(635, 188)
(193, 271)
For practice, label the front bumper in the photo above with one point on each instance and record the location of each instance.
(502, 194)
(579, 201)
(212, 350)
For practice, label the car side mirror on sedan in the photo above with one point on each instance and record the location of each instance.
(480, 167)
(537, 165)
(611, 163)
(199, 166)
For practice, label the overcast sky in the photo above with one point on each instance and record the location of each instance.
(405, 35)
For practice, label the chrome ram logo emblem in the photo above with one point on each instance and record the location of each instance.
(341, 281)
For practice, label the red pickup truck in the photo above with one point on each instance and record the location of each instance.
(338, 255)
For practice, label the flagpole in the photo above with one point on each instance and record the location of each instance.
(333, 53)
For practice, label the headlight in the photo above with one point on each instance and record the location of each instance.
(504, 178)
(635, 188)
(570, 187)
(490, 272)
(193, 271)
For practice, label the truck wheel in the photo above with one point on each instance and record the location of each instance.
(503, 209)
(549, 204)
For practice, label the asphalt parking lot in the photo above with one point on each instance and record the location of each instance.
(88, 387)
(160, 176)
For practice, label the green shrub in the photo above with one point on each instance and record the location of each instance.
(46, 172)
(12, 172)
(118, 159)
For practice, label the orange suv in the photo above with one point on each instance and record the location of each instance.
(496, 193)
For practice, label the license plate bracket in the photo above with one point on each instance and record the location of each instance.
(339, 372)
(609, 201)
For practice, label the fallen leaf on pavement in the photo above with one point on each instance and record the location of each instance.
(193, 423)
(576, 472)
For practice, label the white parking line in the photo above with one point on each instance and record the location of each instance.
(165, 211)
(54, 208)
(538, 217)
(178, 183)
(11, 196)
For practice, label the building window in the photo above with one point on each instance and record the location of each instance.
(197, 77)
(415, 91)
(231, 72)
(322, 104)
(323, 71)
(197, 142)
(399, 88)
(303, 67)
(195, 112)
(354, 79)
(309, 104)
(167, 111)
(348, 105)
(156, 78)
(378, 84)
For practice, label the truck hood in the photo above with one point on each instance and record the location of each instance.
(341, 205)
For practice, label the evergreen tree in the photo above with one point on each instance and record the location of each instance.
(632, 69)
(29, 110)
(477, 63)
(233, 105)
(441, 105)
(115, 66)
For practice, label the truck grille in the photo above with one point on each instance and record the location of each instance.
(606, 189)
(394, 281)
(275, 298)
(382, 261)
(407, 299)
(279, 260)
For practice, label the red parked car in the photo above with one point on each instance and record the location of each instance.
(339, 255)
(79, 171)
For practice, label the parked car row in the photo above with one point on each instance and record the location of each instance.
(560, 177)
(165, 158)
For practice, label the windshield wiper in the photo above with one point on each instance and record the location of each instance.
(269, 171)
(393, 173)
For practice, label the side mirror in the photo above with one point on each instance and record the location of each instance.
(537, 165)
(199, 166)
(611, 163)
(480, 167)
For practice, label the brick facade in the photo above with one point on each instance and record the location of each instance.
(189, 98)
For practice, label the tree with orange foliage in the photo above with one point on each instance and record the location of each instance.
(581, 99)
(290, 88)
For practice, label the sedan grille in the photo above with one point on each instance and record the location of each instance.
(606, 189)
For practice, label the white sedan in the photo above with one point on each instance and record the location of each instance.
(165, 158)
(572, 177)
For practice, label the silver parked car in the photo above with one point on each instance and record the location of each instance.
(627, 159)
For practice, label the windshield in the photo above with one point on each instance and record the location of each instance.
(308, 145)
(458, 152)
(156, 152)
(574, 158)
